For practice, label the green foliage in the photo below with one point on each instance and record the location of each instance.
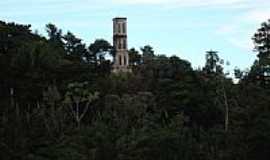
(134, 57)
(59, 101)
(74, 47)
(55, 34)
(213, 63)
(260, 71)
(79, 98)
(147, 53)
(99, 49)
(262, 42)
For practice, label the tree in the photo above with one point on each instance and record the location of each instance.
(164, 109)
(78, 98)
(55, 38)
(12, 37)
(55, 34)
(98, 50)
(213, 61)
(214, 71)
(134, 57)
(147, 53)
(34, 68)
(74, 47)
(261, 39)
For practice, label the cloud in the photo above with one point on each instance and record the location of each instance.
(240, 28)
(52, 8)
(226, 29)
(139, 2)
(181, 3)
(258, 15)
(237, 34)
(241, 43)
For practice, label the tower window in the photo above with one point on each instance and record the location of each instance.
(120, 60)
(124, 27)
(119, 28)
(119, 44)
(124, 44)
(125, 61)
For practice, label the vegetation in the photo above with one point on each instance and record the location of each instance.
(60, 101)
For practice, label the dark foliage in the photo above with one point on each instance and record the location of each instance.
(59, 100)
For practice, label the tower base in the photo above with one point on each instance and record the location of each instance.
(121, 69)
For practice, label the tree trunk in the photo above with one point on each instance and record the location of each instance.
(226, 125)
(78, 114)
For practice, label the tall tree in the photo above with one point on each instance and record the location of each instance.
(79, 98)
(74, 47)
(55, 34)
(147, 53)
(98, 50)
(213, 61)
(134, 57)
(261, 68)
(261, 40)
(55, 39)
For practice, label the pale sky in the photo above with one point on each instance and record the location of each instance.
(186, 28)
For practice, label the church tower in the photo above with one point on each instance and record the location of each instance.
(121, 59)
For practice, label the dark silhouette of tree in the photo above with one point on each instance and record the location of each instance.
(260, 70)
(134, 57)
(55, 34)
(59, 100)
(74, 47)
(147, 53)
(213, 62)
(261, 40)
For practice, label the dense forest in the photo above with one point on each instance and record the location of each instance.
(60, 101)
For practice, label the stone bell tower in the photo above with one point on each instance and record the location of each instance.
(121, 59)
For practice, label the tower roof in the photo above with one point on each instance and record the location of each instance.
(119, 18)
